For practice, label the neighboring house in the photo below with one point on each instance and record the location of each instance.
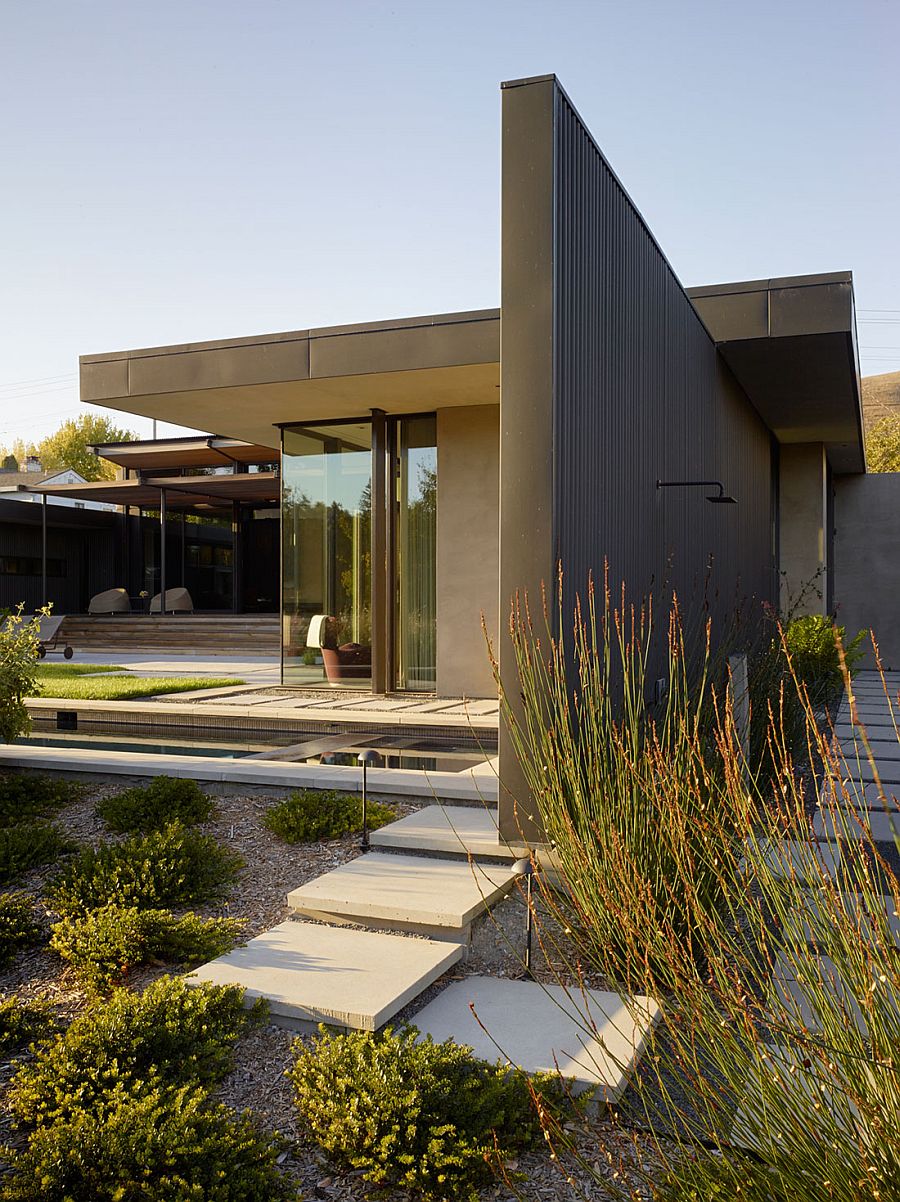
(21, 486)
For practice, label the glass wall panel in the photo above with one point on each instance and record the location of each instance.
(326, 485)
(416, 546)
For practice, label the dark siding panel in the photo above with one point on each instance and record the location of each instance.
(86, 541)
(640, 393)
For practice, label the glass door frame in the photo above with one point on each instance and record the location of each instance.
(384, 581)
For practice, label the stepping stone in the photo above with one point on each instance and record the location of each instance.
(813, 921)
(593, 1039)
(452, 830)
(314, 974)
(806, 861)
(791, 998)
(881, 826)
(411, 893)
(755, 1122)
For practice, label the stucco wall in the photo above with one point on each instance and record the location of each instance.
(867, 558)
(802, 515)
(468, 546)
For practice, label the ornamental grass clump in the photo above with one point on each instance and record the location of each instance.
(774, 1074)
(165, 800)
(103, 945)
(414, 1114)
(627, 789)
(316, 815)
(174, 866)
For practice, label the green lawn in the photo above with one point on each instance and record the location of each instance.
(78, 687)
(52, 671)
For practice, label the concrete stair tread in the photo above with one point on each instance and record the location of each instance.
(753, 1127)
(542, 1028)
(458, 830)
(811, 922)
(792, 997)
(312, 974)
(881, 826)
(415, 891)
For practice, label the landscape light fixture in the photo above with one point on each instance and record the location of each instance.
(365, 758)
(719, 498)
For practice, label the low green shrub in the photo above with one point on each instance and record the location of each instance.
(156, 1144)
(413, 1114)
(171, 1034)
(104, 944)
(23, 796)
(29, 845)
(18, 670)
(810, 643)
(18, 928)
(166, 799)
(22, 1023)
(314, 815)
(173, 866)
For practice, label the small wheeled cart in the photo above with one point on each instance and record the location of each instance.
(50, 636)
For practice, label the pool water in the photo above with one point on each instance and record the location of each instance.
(431, 755)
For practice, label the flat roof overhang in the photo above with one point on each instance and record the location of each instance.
(245, 387)
(167, 453)
(791, 344)
(182, 492)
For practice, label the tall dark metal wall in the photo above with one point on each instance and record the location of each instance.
(640, 394)
(610, 381)
(87, 542)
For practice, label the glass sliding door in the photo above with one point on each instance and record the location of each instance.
(326, 481)
(415, 617)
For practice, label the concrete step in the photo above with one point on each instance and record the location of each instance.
(314, 974)
(881, 826)
(811, 922)
(807, 1085)
(793, 996)
(448, 830)
(807, 862)
(434, 897)
(594, 1038)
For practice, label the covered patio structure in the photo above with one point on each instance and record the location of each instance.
(192, 515)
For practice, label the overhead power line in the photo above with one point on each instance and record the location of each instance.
(38, 380)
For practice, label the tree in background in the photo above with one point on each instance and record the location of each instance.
(68, 447)
(883, 444)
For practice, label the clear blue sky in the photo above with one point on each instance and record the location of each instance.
(189, 169)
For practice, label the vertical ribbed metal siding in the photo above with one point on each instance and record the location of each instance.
(640, 393)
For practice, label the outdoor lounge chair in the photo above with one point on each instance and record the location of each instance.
(349, 661)
(178, 601)
(50, 636)
(113, 601)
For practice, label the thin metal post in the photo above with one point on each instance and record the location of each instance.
(162, 552)
(44, 549)
(380, 616)
(364, 842)
(237, 567)
(528, 975)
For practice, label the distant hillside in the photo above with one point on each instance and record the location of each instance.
(880, 396)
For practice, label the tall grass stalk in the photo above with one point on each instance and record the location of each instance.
(689, 873)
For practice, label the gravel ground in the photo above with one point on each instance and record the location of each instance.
(258, 1081)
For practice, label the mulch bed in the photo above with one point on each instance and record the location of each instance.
(257, 1082)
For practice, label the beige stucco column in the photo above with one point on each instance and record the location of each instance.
(802, 520)
(468, 547)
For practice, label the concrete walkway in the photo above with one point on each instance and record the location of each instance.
(313, 971)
